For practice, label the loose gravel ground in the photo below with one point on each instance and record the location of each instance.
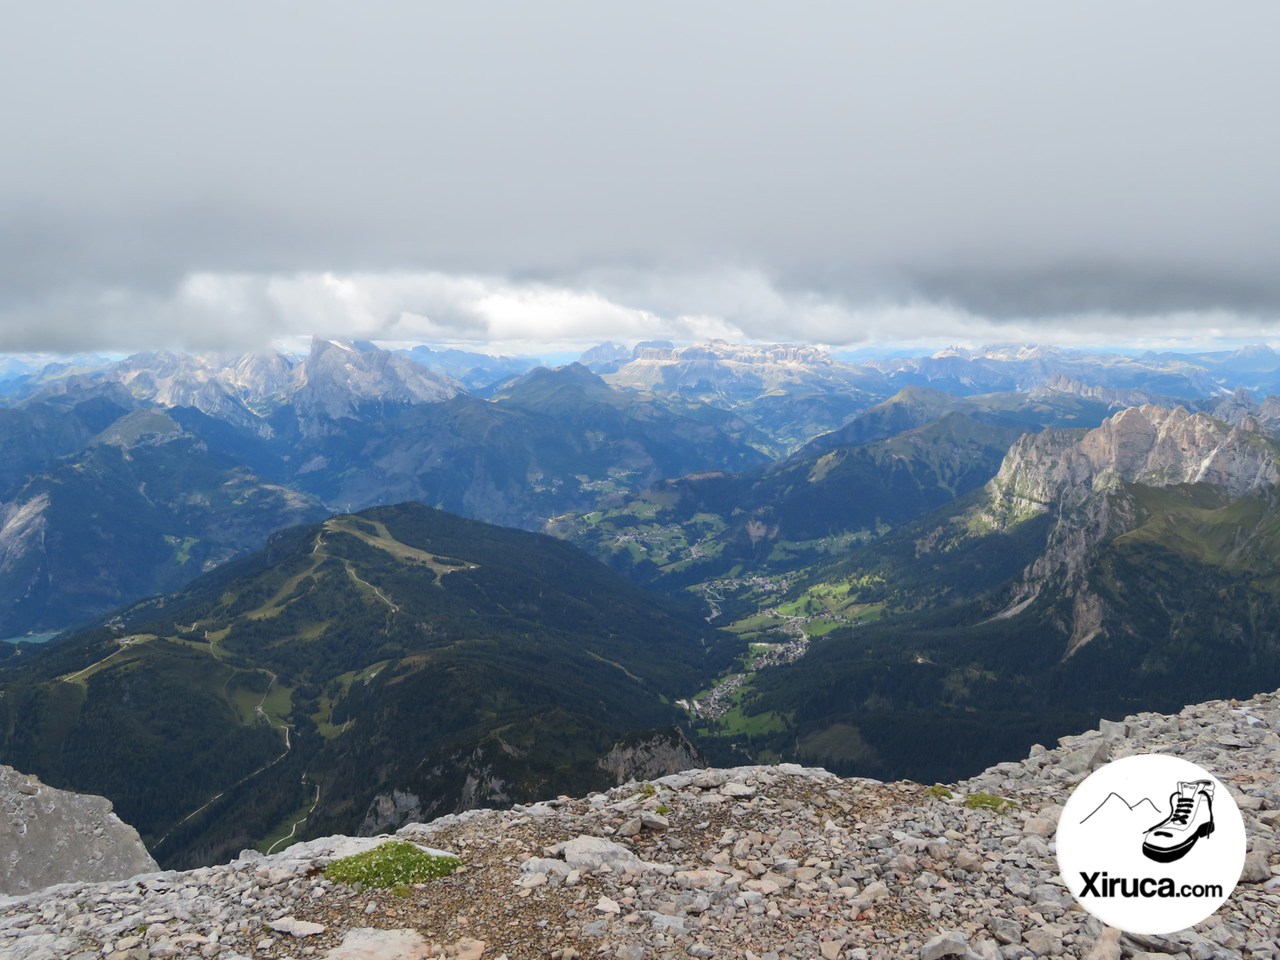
(753, 862)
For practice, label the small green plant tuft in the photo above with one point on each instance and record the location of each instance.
(938, 792)
(649, 790)
(662, 809)
(393, 864)
(988, 801)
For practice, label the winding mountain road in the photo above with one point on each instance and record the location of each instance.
(288, 745)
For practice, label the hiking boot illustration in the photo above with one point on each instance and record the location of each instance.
(1190, 818)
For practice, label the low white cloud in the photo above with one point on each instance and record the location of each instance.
(246, 311)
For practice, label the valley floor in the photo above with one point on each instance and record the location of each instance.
(764, 862)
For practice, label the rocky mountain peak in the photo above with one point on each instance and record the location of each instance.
(1072, 474)
(605, 357)
(338, 375)
(333, 379)
(1151, 445)
(1255, 357)
(572, 386)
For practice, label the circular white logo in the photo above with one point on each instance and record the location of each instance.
(1151, 844)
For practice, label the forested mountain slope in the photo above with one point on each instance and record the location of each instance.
(393, 663)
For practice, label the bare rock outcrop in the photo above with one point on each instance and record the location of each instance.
(391, 809)
(651, 754)
(50, 836)
(1078, 477)
(1060, 469)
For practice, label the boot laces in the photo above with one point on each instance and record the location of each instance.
(1182, 810)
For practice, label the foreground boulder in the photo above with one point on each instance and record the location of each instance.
(50, 836)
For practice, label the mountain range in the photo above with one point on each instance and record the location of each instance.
(913, 453)
(269, 567)
(117, 482)
(1126, 567)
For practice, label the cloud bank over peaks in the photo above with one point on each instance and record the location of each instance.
(240, 311)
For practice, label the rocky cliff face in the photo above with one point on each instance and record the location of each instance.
(1078, 476)
(50, 836)
(642, 756)
(1058, 470)
(22, 529)
(390, 810)
(761, 862)
(647, 756)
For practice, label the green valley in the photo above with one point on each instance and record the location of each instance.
(1114, 588)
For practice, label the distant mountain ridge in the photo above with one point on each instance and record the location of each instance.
(918, 406)
(129, 478)
(144, 507)
(894, 462)
(718, 368)
(332, 380)
(475, 371)
(1023, 368)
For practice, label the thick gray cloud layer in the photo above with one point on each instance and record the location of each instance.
(808, 170)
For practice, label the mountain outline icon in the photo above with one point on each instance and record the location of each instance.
(1143, 807)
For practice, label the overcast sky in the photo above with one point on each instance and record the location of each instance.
(528, 175)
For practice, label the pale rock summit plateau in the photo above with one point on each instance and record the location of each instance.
(723, 371)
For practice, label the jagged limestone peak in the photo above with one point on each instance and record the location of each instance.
(1150, 445)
